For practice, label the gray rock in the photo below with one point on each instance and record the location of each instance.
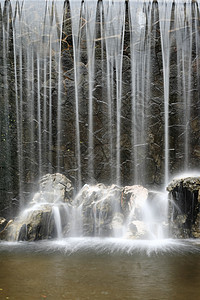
(191, 183)
(184, 207)
(3, 223)
(54, 188)
(39, 220)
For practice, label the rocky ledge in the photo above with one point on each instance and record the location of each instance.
(98, 210)
(184, 207)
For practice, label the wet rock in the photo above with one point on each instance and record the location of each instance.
(133, 198)
(137, 230)
(3, 223)
(54, 188)
(99, 203)
(33, 224)
(46, 214)
(4, 232)
(97, 210)
(184, 207)
(105, 209)
(190, 183)
(117, 224)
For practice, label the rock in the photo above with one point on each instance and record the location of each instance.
(190, 183)
(3, 233)
(117, 224)
(184, 207)
(3, 223)
(33, 224)
(99, 204)
(47, 213)
(97, 210)
(105, 208)
(38, 222)
(53, 188)
(196, 227)
(136, 230)
(133, 198)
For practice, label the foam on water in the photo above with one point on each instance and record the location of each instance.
(106, 246)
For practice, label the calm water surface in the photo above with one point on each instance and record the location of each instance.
(99, 269)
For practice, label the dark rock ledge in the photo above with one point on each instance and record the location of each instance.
(184, 207)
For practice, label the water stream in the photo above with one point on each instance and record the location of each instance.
(103, 91)
(107, 94)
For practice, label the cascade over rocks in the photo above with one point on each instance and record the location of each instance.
(100, 205)
(110, 210)
(184, 207)
(38, 221)
(111, 104)
(106, 211)
(97, 210)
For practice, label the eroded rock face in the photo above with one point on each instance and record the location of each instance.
(184, 207)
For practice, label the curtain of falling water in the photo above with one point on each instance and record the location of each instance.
(44, 78)
(108, 36)
(140, 45)
(5, 101)
(35, 59)
(76, 32)
(184, 38)
(90, 13)
(118, 65)
(197, 46)
(59, 24)
(165, 10)
(114, 26)
(32, 87)
(18, 101)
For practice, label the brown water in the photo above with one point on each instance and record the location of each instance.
(56, 271)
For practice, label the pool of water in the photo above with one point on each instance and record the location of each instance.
(79, 268)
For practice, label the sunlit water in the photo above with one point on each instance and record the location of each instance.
(78, 268)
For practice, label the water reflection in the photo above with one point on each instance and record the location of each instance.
(46, 270)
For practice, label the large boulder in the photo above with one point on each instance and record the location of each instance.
(111, 210)
(33, 224)
(99, 205)
(184, 207)
(54, 188)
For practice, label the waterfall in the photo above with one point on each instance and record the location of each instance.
(90, 13)
(76, 20)
(34, 60)
(57, 218)
(102, 91)
(140, 44)
(184, 40)
(165, 17)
